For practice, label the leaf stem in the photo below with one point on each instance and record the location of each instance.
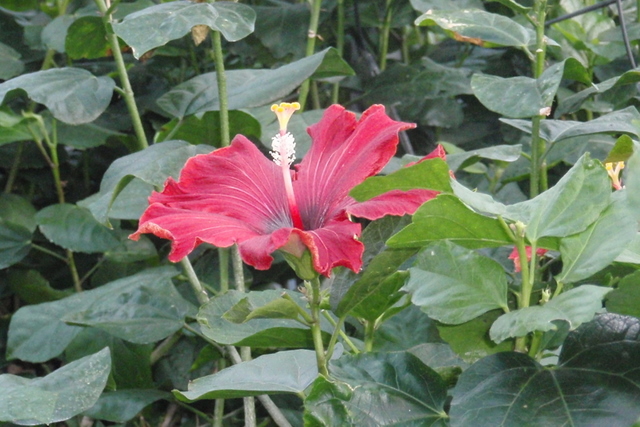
(15, 167)
(223, 264)
(369, 330)
(49, 252)
(384, 35)
(164, 347)
(128, 95)
(311, 46)
(335, 96)
(222, 88)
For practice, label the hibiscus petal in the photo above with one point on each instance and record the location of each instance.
(396, 202)
(237, 181)
(187, 229)
(335, 245)
(344, 152)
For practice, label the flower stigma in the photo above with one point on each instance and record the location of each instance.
(614, 169)
(284, 153)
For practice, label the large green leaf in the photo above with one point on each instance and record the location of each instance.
(17, 225)
(10, 63)
(591, 250)
(425, 5)
(432, 174)
(447, 218)
(470, 340)
(394, 335)
(87, 38)
(518, 97)
(632, 182)
(595, 385)
(37, 333)
(367, 291)
(377, 389)
(503, 153)
(568, 207)
(157, 25)
(122, 405)
(275, 32)
(32, 287)
(282, 372)
(620, 121)
(72, 95)
(255, 332)
(250, 88)
(454, 285)
(575, 307)
(478, 27)
(13, 127)
(142, 314)
(152, 165)
(74, 228)
(59, 396)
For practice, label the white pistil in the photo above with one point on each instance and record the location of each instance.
(284, 147)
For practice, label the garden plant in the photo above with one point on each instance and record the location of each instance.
(319, 213)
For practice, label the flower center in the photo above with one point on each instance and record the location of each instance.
(284, 153)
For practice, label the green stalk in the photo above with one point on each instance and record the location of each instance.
(201, 293)
(218, 411)
(223, 262)
(49, 252)
(384, 35)
(369, 330)
(222, 88)
(311, 46)
(15, 167)
(164, 347)
(124, 79)
(344, 336)
(538, 178)
(335, 96)
(637, 10)
(313, 287)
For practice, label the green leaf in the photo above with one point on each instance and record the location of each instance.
(368, 292)
(576, 306)
(17, 210)
(15, 243)
(594, 384)
(432, 174)
(470, 340)
(478, 27)
(57, 397)
(513, 5)
(503, 153)
(87, 38)
(377, 389)
(257, 333)
(394, 335)
(625, 299)
(281, 308)
(54, 33)
(205, 128)
(10, 63)
(454, 285)
(621, 151)
(553, 131)
(157, 25)
(152, 165)
(32, 287)
(518, 97)
(84, 136)
(591, 250)
(631, 253)
(128, 251)
(37, 333)
(122, 405)
(570, 206)
(632, 182)
(74, 228)
(447, 218)
(275, 32)
(73, 95)
(425, 5)
(250, 88)
(142, 314)
(282, 372)
(13, 127)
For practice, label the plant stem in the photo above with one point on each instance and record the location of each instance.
(222, 88)
(536, 341)
(538, 177)
(334, 337)
(223, 264)
(200, 292)
(15, 167)
(164, 347)
(49, 252)
(311, 46)
(124, 79)
(384, 35)
(344, 336)
(313, 288)
(369, 329)
(335, 96)
(218, 411)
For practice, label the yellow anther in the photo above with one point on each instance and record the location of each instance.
(284, 111)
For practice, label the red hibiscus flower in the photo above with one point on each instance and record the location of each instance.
(237, 195)
(516, 258)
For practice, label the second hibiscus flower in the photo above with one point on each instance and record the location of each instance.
(237, 195)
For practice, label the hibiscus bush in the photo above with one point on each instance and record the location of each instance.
(319, 213)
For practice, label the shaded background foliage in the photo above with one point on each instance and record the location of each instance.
(95, 325)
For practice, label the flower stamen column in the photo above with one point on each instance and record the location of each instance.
(284, 153)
